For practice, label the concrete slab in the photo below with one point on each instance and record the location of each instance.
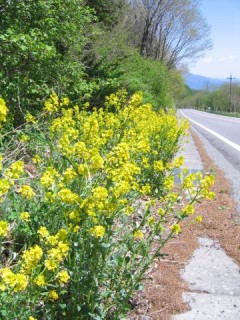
(191, 155)
(214, 279)
(211, 270)
(210, 307)
(192, 159)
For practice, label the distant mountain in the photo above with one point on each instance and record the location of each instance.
(198, 82)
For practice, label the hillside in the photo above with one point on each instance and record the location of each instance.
(198, 82)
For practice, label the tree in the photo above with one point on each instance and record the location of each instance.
(171, 31)
(41, 45)
(107, 11)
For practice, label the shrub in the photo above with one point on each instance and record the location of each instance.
(77, 222)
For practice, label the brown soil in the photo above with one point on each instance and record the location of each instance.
(162, 295)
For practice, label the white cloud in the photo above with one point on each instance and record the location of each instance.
(207, 60)
(232, 57)
(223, 58)
(229, 57)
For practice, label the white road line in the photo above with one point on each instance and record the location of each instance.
(220, 117)
(220, 137)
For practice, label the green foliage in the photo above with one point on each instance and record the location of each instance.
(218, 100)
(107, 11)
(41, 46)
(49, 46)
(149, 76)
(113, 64)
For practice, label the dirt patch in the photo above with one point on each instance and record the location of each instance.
(162, 295)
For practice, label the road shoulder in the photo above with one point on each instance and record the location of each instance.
(162, 297)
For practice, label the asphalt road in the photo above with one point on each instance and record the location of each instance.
(221, 138)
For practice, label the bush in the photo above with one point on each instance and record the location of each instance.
(42, 43)
(77, 222)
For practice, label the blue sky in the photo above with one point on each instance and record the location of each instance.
(224, 18)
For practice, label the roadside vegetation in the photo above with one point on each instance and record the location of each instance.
(90, 187)
(88, 49)
(220, 101)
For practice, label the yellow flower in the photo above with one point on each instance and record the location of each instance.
(26, 192)
(50, 197)
(69, 174)
(20, 282)
(51, 264)
(62, 234)
(83, 169)
(100, 194)
(65, 102)
(30, 118)
(74, 215)
(67, 196)
(151, 221)
(52, 295)
(63, 276)
(76, 229)
(128, 210)
(176, 228)
(4, 186)
(3, 111)
(145, 162)
(56, 255)
(52, 240)
(52, 104)
(158, 165)
(188, 210)
(146, 189)
(43, 232)
(17, 282)
(169, 183)
(198, 219)
(24, 138)
(15, 170)
(121, 188)
(161, 211)
(97, 231)
(36, 159)
(40, 280)
(30, 258)
(1, 162)
(138, 235)
(3, 228)
(178, 162)
(96, 162)
(49, 176)
(32, 318)
(25, 216)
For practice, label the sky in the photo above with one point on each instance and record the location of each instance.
(223, 16)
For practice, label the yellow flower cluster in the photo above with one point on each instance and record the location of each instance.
(24, 138)
(3, 111)
(11, 281)
(26, 192)
(31, 258)
(138, 235)
(53, 104)
(98, 165)
(97, 231)
(13, 172)
(25, 216)
(49, 177)
(3, 228)
(30, 118)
